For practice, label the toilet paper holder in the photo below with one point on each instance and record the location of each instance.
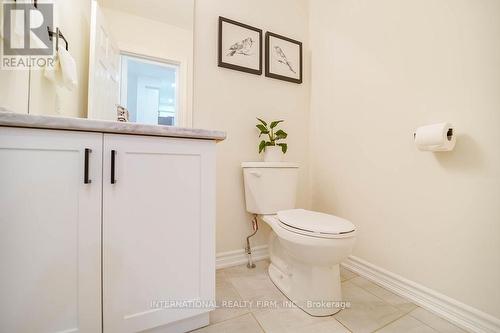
(449, 134)
(436, 137)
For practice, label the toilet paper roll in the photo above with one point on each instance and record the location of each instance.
(435, 137)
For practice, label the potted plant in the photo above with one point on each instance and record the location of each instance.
(273, 150)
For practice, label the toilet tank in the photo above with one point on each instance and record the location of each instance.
(270, 186)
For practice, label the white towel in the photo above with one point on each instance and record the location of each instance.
(52, 71)
(68, 68)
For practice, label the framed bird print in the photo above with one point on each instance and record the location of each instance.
(283, 58)
(240, 46)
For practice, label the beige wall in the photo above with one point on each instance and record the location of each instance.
(157, 39)
(380, 69)
(230, 100)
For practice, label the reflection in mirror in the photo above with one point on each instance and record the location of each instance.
(137, 54)
(149, 90)
(141, 56)
(32, 89)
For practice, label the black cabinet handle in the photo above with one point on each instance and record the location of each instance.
(113, 154)
(86, 179)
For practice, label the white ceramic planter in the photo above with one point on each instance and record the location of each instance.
(273, 154)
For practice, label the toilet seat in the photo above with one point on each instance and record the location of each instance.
(315, 224)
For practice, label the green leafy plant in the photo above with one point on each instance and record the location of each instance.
(273, 134)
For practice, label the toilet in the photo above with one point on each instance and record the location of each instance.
(305, 247)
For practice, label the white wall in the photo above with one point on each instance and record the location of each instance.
(380, 69)
(157, 39)
(230, 100)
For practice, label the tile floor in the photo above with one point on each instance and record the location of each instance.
(373, 308)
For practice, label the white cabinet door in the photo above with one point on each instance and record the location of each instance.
(158, 229)
(50, 231)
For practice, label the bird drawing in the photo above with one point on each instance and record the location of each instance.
(243, 47)
(281, 58)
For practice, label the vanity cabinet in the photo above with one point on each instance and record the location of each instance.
(50, 231)
(134, 214)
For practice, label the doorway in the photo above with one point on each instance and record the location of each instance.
(149, 89)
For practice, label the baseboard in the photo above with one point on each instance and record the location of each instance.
(452, 310)
(239, 257)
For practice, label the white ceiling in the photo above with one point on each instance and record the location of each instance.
(174, 12)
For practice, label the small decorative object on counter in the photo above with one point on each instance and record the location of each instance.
(122, 114)
(273, 150)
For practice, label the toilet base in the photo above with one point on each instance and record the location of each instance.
(314, 289)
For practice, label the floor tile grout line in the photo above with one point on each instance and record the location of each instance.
(345, 280)
(226, 278)
(258, 322)
(250, 311)
(387, 324)
(228, 319)
(383, 300)
(236, 291)
(341, 323)
(236, 316)
(233, 287)
(355, 275)
(406, 299)
(435, 329)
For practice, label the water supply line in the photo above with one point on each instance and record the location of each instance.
(248, 249)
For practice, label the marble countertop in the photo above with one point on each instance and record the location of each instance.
(12, 119)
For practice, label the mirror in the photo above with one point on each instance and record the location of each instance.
(146, 60)
(132, 58)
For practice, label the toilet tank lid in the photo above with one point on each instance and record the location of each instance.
(315, 222)
(269, 165)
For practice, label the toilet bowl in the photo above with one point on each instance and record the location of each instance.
(305, 247)
(306, 267)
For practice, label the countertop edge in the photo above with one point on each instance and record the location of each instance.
(12, 119)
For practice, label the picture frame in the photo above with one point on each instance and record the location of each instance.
(283, 58)
(239, 46)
